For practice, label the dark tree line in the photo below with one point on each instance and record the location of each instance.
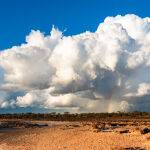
(75, 117)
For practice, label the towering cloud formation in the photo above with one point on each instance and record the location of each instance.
(107, 70)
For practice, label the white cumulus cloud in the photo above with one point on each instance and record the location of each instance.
(105, 70)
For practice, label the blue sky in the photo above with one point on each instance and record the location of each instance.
(18, 17)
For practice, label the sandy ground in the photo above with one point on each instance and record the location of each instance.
(71, 136)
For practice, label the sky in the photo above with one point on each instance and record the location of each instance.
(76, 56)
(19, 17)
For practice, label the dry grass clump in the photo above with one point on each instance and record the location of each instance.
(122, 127)
(124, 131)
(100, 126)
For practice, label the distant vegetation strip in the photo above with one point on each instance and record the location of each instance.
(76, 117)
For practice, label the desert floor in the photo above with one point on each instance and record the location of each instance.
(72, 136)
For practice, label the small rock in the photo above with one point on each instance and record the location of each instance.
(133, 148)
(145, 131)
